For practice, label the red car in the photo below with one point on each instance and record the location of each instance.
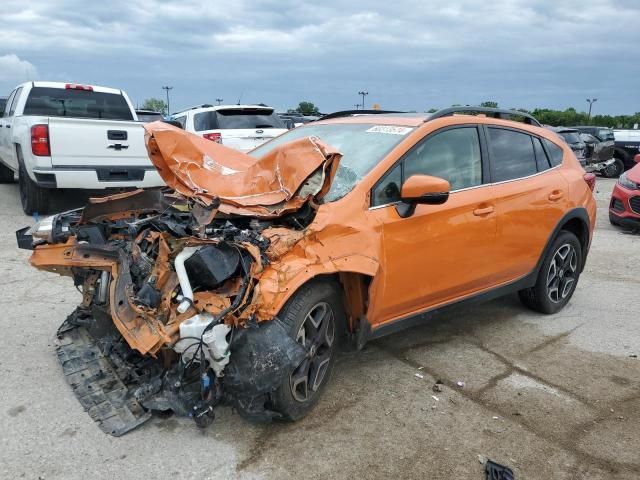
(624, 209)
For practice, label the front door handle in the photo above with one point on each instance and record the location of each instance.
(478, 212)
(556, 195)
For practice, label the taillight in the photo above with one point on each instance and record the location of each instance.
(214, 137)
(590, 178)
(77, 86)
(40, 140)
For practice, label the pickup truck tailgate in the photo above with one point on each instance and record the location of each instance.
(81, 142)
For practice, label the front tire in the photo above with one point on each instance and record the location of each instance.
(312, 317)
(558, 276)
(34, 199)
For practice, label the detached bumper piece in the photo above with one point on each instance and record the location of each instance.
(95, 383)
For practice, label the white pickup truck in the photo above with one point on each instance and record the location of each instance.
(65, 135)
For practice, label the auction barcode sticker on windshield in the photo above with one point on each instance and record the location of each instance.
(391, 129)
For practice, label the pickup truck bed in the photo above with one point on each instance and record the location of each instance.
(118, 157)
(57, 135)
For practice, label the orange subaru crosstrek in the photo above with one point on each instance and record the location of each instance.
(235, 284)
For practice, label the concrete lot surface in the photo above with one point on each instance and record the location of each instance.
(553, 397)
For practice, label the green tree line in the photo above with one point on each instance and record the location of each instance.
(570, 117)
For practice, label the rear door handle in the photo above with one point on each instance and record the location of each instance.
(556, 195)
(478, 212)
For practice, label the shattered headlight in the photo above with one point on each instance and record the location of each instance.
(43, 229)
(624, 181)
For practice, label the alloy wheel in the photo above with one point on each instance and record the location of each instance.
(561, 276)
(316, 335)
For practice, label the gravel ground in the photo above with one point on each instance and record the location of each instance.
(550, 396)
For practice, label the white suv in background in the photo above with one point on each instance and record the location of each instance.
(242, 127)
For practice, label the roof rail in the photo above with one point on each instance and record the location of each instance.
(349, 113)
(488, 111)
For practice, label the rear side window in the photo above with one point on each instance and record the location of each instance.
(182, 121)
(554, 151)
(237, 118)
(7, 106)
(205, 121)
(14, 103)
(60, 102)
(453, 155)
(570, 137)
(512, 154)
(541, 157)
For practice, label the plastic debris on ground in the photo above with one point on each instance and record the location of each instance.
(495, 471)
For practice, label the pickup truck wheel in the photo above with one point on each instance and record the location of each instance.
(558, 276)
(6, 174)
(32, 197)
(614, 170)
(312, 316)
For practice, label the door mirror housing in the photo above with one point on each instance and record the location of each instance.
(423, 189)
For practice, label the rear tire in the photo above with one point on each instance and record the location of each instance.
(614, 170)
(558, 276)
(313, 317)
(6, 174)
(34, 199)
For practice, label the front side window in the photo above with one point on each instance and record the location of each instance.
(387, 189)
(453, 155)
(512, 154)
(181, 120)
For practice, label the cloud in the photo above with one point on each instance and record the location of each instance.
(13, 69)
(408, 53)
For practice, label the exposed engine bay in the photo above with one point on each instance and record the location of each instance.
(171, 316)
(188, 286)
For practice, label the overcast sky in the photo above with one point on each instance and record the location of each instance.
(407, 54)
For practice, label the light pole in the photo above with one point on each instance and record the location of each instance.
(167, 88)
(219, 100)
(591, 102)
(364, 94)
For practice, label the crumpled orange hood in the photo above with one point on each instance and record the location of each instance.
(278, 183)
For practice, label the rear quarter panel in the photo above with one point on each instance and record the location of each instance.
(580, 195)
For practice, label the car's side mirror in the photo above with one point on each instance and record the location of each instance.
(637, 158)
(423, 189)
